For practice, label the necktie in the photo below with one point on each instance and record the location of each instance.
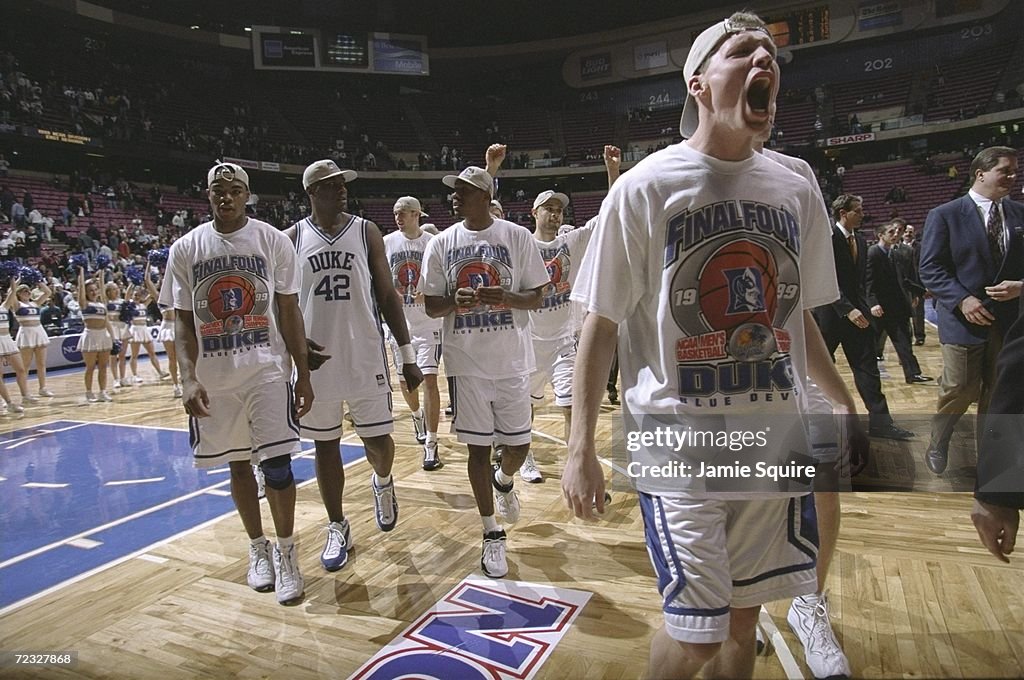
(852, 240)
(995, 232)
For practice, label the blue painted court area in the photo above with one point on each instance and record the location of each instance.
(79, 496)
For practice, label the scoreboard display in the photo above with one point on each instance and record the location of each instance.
(329, 49)
(800, 27)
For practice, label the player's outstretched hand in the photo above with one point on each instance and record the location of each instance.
(303, 397)
(583, 484)
(195, 399)
(413, 376)
(315, 358)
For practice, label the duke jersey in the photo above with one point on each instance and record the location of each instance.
(405, 257)
(707, 267)
(562, 257)
(229, 282)
(486, 341)
(340, 312)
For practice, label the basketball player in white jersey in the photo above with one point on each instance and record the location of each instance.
(482, 275)
(234, 286)
(554, 327)
(707, 256)
(345, 279)
(405, 249)
(809, 614)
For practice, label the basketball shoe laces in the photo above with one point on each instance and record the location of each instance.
(492, 547)
(823, 640)
(335, 541)
(386, 499)
(259, 557)
(287, 571)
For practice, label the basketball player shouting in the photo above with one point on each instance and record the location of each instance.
(481, 275)
(660, 281)
(345, 278)
(234, 291)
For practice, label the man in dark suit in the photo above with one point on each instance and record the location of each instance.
(999, 494)
(909, 252)
(972, 260)
(890, 298)
(845, 321)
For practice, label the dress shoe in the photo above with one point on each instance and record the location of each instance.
(919, 379)
(936, 460)
(891, 431)
(918, 343)
(613, 396)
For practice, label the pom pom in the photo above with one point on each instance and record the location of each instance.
(102, 262)
(116, 349)
(158, 257)
(135, 275)
(78, 261)
(30, 275)
(9, 268)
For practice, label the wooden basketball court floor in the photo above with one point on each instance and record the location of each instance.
(913, 593)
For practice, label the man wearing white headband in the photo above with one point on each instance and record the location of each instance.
(696, 264)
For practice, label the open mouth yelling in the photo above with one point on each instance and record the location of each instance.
(759, 95)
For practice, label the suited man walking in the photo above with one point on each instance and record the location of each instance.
(845, 321)
(999, 493)
(890, 297)
(909, 251)
(972, 260)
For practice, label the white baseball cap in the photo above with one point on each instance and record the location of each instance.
(703, 47)
(429, 228)
(473, 175)
(545, 196)
(409, 203)
(495, 203)
(228, 172)
(325, 169)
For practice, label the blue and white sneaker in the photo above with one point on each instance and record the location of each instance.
(492, 559)
(419, 424)
(385, 504)
(339, 543)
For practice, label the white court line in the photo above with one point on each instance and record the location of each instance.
(155, 559)
(40, 431)
(605, 461)
(44, 485)
(136, 515)
(3, 479)
(136, 427)
(786, 658)
(549, 437)
(85, 543)
(123, 482)
(218, 492)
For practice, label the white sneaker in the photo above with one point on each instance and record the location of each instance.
(177, 390)
(529, 472)
(808, 617)
(137, 380)
(117, 384)
(506, 501)
(419, 423)
(288, 581)
(492, 560)
(385, 504)
(261, 481)
(32, 399)
(105, 396)
(164, 376)
(261, 572)
(91, 397)
(17, 408)
(3, 409)
(46, 392)
(339, 543)
(431, 459)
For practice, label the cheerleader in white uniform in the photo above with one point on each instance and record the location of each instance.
(166, 335)
(32, 340)
(11, 356)
(97, 337)
(120, 333)
(139, 333)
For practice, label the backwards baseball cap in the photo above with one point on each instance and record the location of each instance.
(545, 196)
(325, 169)
(228, 172)
(473, 175)
(409, 203)
(429, 228)
(703, 47)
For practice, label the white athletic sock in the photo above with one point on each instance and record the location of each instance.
(431, 438)
(490, 524)
(258, 541)
(418, 412)
(381, 481)
(502, 478)
(285, 543)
